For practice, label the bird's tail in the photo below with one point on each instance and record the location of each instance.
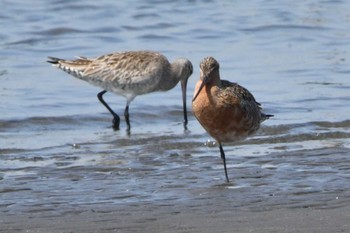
(53, 60)
(73, 67)
(265, 116)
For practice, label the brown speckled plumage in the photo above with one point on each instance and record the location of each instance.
(129, 74)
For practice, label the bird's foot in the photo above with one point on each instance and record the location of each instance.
(116, 123)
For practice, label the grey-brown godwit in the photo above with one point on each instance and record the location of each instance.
(129, 74)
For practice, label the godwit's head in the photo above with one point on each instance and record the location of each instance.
(209, 71)
(186, 70)
(209, 67)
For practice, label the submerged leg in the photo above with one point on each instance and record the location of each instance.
(222, 153)
(116, 118)
(126, 115)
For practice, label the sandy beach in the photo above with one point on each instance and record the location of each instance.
(154, 218)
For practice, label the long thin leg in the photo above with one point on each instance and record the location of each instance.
(224, 160)
(126, 115)
(116, 118)
(184, 87)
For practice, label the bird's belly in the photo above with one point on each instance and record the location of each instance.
(125, 90)
(225, 124)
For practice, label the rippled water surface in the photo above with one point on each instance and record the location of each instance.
(58, 152)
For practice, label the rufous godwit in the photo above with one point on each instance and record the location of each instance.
(129, 74)
(226, 110)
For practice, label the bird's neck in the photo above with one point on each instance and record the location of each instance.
(214, 79)
(173, 76)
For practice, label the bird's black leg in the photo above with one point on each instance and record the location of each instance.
(116, 118)
(222, 153)
(184, 88)
(126, 115)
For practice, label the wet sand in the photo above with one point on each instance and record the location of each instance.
(131, 186)
(155, 218)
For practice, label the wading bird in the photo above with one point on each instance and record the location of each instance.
(226, 110)
(129, 74)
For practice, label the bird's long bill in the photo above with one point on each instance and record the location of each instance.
(184, 90)
(199, 90)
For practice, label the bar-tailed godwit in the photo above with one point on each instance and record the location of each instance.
(129, 74)
(226, 110)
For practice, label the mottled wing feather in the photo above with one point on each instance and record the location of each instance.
(235, 89)
(247, 102)
(127, 73)
(124, 70)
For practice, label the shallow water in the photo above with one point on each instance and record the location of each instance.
(59, 154)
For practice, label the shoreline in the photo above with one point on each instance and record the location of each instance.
(154, 218)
